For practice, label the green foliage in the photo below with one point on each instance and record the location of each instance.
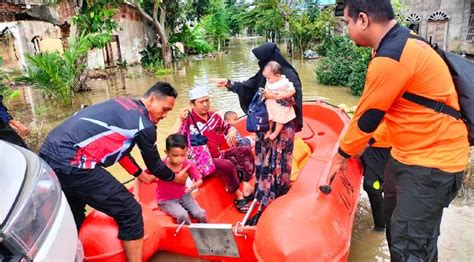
(152, 61)
(161, 70)
(151, 56)
(401, 9)
(306, 29)
(234, 16)
(5, 85)
(265, 16)
(97, 18)
(193, 39)
(356, 81)
(198, 9)
(335, 67)
(48, 73)
(215, 24)
(343, 64)
(55, 75)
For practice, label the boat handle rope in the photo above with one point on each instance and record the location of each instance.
(179, 228)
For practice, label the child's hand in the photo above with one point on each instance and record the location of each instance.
(190, 189)
(195, 185)
(232, 138)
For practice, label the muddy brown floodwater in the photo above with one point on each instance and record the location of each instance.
(457, 230)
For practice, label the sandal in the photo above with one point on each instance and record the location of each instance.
(241, 205)
(249, 197)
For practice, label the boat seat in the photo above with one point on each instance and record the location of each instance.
(301, 154)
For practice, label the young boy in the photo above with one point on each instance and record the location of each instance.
(176, 199)
(230, 117)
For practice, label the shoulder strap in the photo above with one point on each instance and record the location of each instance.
(433, 104)
(190, 115)
(437, 106)
(417, 37)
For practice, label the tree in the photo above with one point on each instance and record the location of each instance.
(234, 14)
(149, 10)
(266, 17)
(216, 23)
(197, 9)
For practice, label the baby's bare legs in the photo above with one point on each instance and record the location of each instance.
(269, 132)
(278, 128)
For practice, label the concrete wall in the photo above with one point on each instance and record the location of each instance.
(95, 59)
(23, 33)
(8, 52)
(459, 13)
(30, 29)
(133, 35)
(132, 39)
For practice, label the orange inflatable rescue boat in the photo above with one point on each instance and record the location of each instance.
(304, 225)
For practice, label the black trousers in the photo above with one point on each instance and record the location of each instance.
(415, 197)
(375, 160)
(7, 133)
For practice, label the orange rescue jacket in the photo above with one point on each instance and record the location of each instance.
(420, 136)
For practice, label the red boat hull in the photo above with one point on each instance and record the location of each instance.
(304, 225)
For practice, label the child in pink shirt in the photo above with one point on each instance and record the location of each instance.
(176, 199)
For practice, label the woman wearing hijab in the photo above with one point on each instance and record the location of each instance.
(274, 158)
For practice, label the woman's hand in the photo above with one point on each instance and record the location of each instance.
(220, 82)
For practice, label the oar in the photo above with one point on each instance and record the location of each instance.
(254, 220)
(252, 206)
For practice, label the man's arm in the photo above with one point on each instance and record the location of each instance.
(386, 81)
(146, 141)
(130, 165)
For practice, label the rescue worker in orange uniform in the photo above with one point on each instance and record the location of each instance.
(429, 149)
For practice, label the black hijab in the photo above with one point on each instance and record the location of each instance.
(270, 52)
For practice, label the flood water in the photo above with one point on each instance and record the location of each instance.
(457, 233)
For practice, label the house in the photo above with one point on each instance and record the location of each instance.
(34, 26)
(26, 26)
(132, 37)
(448, 23)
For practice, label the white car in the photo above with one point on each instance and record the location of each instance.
(36, 222)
